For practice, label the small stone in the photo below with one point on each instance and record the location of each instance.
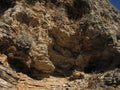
(77, 75)
(3, 60)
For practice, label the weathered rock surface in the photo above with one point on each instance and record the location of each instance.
(30, 43)
(61, 36)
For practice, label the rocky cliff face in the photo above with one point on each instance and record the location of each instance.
(76, 39)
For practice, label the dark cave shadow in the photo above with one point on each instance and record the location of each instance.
(93, 67)
(6, 4)
(101, 66)
(62, 72)
(20, 67)
(32, 2)
(74, 12)
(79, 8)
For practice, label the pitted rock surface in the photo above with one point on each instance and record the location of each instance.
(57, 37)
(29, 44)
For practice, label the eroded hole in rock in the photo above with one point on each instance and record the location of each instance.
(32, 2)
(101, 65)
(61, 72)
(5, 4)
(95, 67)
(20, 67)
(78, 9)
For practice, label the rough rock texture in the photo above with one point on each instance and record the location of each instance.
(29, 42)
(62, 37)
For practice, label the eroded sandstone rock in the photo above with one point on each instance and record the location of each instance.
(62, 36)
(43, 38)
(30, 44)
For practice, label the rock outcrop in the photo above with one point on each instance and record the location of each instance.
(60, 36)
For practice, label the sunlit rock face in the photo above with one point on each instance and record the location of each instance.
(76, 35)
(60, 36)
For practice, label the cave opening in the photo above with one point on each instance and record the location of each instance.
(21, 67)
(6, 4)
(102, 65)
(78, 9)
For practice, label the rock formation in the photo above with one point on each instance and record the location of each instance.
(61, 37)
